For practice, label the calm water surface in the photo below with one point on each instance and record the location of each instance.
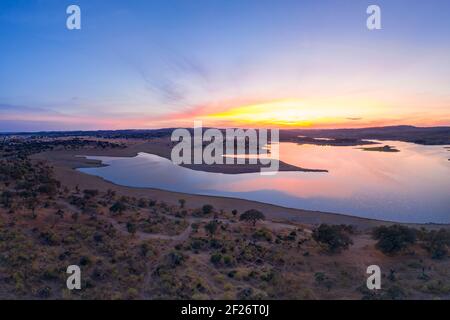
(412, 185)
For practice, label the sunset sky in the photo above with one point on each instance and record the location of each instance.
(248, 63)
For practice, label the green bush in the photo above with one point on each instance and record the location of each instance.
(142, 203)
(211, 227)
(227, 260)
(437, 243)
(197, 244)
(393, 239)
(335, 237)
(207, 209)
(216, 258)
(90, 193)
(176, 258)
(131, 227)
(118, 207)
(262, 234)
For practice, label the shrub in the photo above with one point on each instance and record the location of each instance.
(394, 238)
(84, 261)
(263, 234)
(90, 193)
(48, 238)
(44, 293)
(437, 243)
(118, 207)
(333, 236)
(211, 227)
(207, 209)
(319, 277)
(394, 293)
(142, 203)
(131, 227)
(49, 189)
(198, 244)
(350, 229)
(176, 258)
(322, 279)
(144, 249)
(252, 216)
(292, 236)
(232, 273)
(215, 244)
(98, 237)
(227, 260)
(216, 258)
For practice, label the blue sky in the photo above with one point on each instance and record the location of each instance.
(157, 63)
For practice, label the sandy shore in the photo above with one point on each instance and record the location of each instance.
(65, 164)
(163, 146)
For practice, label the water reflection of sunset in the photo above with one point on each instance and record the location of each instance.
(410, 185)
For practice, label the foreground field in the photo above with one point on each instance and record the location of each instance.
(150, 244)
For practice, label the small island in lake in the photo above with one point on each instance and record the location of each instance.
(385, 148)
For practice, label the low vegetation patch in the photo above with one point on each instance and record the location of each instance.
(334, 237)
(393, 239)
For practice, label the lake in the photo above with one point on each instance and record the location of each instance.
(412, 185)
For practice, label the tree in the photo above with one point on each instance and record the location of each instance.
(393, 239)
(335, 237)
(252, 216)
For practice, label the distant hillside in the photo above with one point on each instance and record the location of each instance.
(419, 135)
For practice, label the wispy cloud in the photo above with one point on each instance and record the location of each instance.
(176, 83)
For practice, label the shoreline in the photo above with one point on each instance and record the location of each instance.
(65, 164)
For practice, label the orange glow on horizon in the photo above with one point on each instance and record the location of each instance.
(291, 113)
(317, 113)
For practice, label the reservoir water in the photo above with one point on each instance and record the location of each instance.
(412, 185)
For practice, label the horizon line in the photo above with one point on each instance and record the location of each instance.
(245, 128)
